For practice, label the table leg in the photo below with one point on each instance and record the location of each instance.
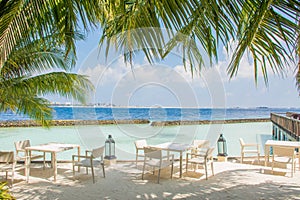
(52, 161)
(180, 165)
(299, 157)
(168, 155)
(78, 151)
(27, 164)
(54, 165)
(267, 154)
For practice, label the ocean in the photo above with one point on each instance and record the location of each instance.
(154, 114)
(90, 136)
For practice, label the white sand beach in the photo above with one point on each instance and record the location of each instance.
(232, 180)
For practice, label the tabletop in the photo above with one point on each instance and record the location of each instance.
(282, 143)
(173, 146)
(52, 147)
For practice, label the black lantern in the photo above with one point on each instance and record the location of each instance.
(110, 148)
(222, 147)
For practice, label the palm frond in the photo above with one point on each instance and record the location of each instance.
(61, 83)
(267, 32)
(35, 19)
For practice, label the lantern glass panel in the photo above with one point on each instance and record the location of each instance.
(110, 148)
(107, 149)
(222, 147)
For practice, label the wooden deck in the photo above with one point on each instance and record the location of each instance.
(288, 122)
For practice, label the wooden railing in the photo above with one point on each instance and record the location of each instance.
(287, 122)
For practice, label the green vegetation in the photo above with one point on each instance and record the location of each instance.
(268, 30)
(4, 192)
(37, 53)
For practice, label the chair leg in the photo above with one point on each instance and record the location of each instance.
(143, 171)
(172, 167)
(12, 177)
(92, 169)
(242, 159)
(103, 170)
(292, 167)
(136, 158)
(73, 171)
(186, 165)
(44, 160)
(158, 176)
(272, 166)
(205, 166)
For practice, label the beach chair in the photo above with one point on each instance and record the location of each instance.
(7, 164)
(92, 159)
(20, 152)
(284, 155)
(202, 157)
(154, 159)
(139, 146)
(249, 148)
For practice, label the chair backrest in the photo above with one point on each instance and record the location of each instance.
(201, 143)
(283, 151)
(152, 153)
(98, 152)
(6, 156)
(242, 142)
(140, 144)
(21, 145)
(209, 152)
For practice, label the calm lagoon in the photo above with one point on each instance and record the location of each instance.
(90, 136)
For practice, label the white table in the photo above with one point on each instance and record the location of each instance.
(272, 143)
(175, 147)
(52, 148)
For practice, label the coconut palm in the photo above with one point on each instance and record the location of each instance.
(37, 53)
(28, 75)
(57, 19)
(266, 29)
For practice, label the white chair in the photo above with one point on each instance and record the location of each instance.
(154, 158)
(199, 144)
(90, 160)
(249, 148)
(284, 155)
(139, 146)
(20, 152)
(7, 164)
(201, 157)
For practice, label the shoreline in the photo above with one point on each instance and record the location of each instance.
(32, 123)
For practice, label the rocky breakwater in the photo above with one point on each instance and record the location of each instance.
(198, 122)
(32, 123)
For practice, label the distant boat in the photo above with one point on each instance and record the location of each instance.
(262, 107)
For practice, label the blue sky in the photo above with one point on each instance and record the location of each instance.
(168, 84)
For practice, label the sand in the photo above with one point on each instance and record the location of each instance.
(232, 180)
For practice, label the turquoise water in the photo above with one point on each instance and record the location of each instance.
(155, 114)
(125, 135)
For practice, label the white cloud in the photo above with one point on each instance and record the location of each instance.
(173, 85)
